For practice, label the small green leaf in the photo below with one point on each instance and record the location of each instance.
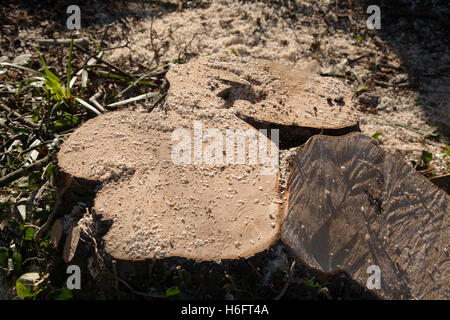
(233, 51)
(358, 38)
(312, 286)
(173, 291)
(25, 284)
(44, 244)
(30, 234)
(66, 121)
(446, 151)
(51, 171)
(65, 294)
(17, 259)
(426, 156)
(376, 135)
(23, 291)
(361, 89)
(35, 294)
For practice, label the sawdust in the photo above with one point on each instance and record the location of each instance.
(267, 31)
(162, 209)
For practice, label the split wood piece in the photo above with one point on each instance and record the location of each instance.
(159, 208)
(262, 91)
(71, 244)
(353, 205)
(56, 233)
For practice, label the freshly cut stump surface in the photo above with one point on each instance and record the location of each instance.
(163, 208)
(352, 205)
(262, 91)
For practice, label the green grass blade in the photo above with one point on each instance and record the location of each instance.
(52, 82)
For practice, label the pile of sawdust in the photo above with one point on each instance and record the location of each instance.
(263, 30)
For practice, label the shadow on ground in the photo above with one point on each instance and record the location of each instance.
(418, 32)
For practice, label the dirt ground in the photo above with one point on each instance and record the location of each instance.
(400, 73)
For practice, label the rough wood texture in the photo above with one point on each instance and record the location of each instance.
(262, 91)
(56, 233)
(161, 209)
(71, 244)
(352, 205)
